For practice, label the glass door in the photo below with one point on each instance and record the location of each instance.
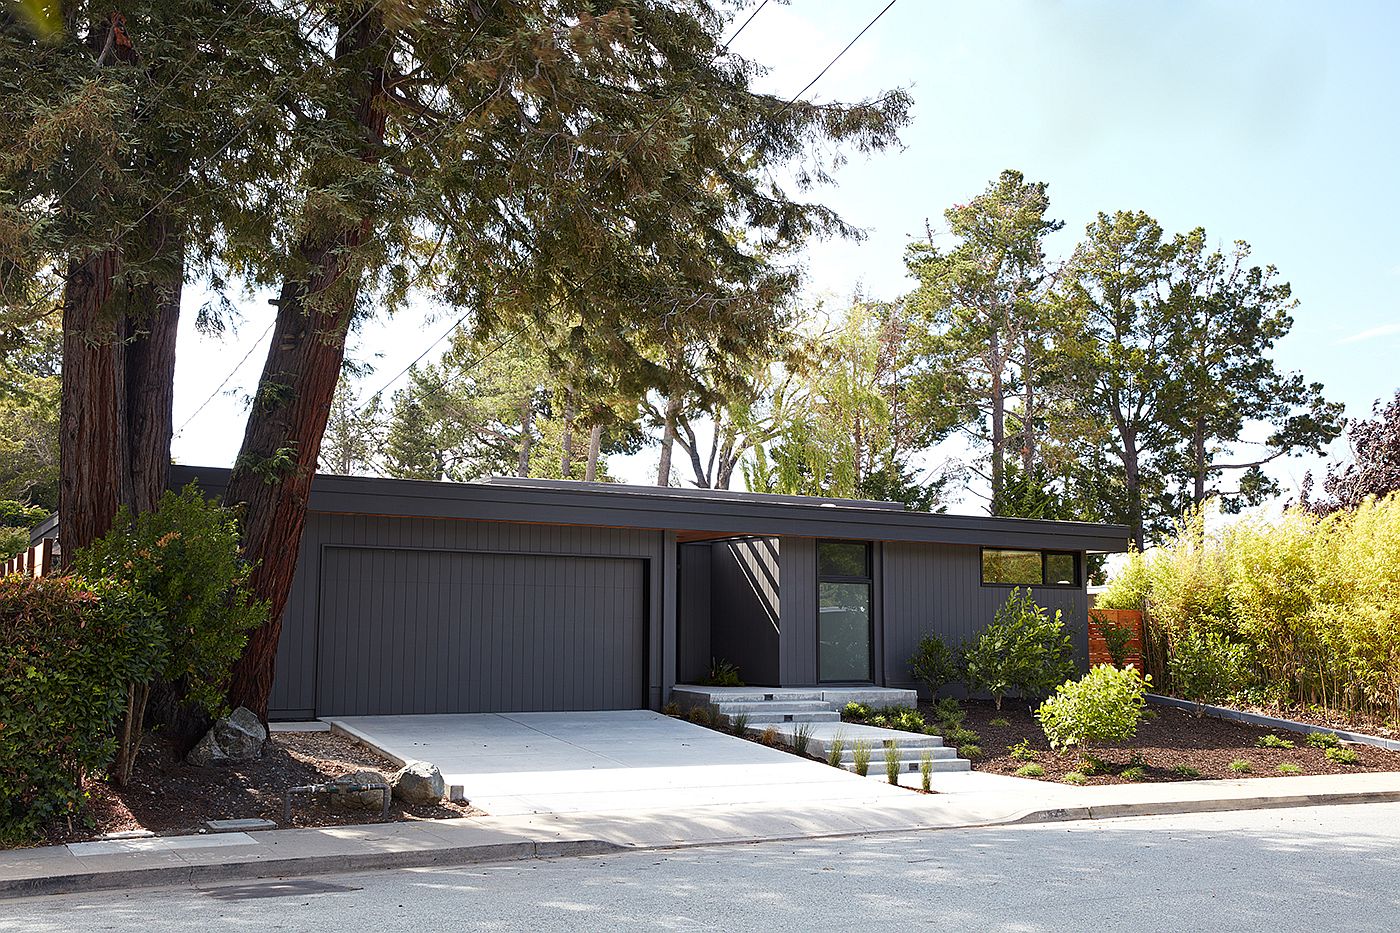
(844, 633)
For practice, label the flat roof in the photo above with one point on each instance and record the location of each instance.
(692, 513)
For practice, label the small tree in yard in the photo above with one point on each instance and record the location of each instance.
(933, 664)
(1205, 667)
(1024, 649)
(1103, 706)
(184, 559)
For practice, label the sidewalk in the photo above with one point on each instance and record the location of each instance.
(964, 800)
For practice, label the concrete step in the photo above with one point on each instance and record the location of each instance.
(773, 706)
(938, 753)
(940, 765)
(704, 696)
(763, 717)
(908, 741)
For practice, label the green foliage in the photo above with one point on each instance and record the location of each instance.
(892, 756)
(1031, 770)
(970, 751)
(933, 664)
(949, 711)
(1272, 741)
(1022, 751)
(700, 715)
(1185, 771)
(723, 674)
(1343, 756)
(926, 770)
(1323, 740)
(1134, 773)
(1075, 777)
(855, 712)
(1116, 639)
(69, 655)
(1288, 767)
(1128, 587)
(672, 709)
(1103, 706)
(860, 755)
(960, 736)
(802, 737)
(1025, 649)
(835, 747)
(1241, 766)
(999, 722)
(902, 718)
(1205, 667)
(739, 724)
(184, 556)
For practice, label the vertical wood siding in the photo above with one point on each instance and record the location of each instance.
(313, 606)
(799, 615)
(938, 588)
(693, 614)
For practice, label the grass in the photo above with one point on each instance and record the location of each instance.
(1272, 741)
(999, 722)
(1074, 777)
(802, 738)
(834, 750)
(1343, 756)
(1030, 770)
(926, 771)
(769, 736)
(1135, 773)
(1288, 767)
(1185, 771)
(1241, 766)
(739, 724)
(860, 754)
(892, 762)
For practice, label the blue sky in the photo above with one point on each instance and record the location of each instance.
(1273, 123)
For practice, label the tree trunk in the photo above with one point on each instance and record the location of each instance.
(527, 425)
(150, 368)
(1132, 486)
(282, 442)
(668, 440)
(595, 447)
(1028, 439)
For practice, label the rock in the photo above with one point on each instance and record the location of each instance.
(360, 800)
(238, 737)
(418, 782)
(242, 735)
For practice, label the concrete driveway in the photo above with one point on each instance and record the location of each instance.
(613, 761)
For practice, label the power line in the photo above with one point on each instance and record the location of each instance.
(220, 387)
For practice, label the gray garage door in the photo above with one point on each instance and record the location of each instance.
(410, 631)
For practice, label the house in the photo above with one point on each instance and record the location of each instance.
(522, 594)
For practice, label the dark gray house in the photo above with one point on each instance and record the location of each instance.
(516, 594)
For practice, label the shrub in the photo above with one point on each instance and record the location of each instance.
(902, 718)
(802, 738)
(722, 674)
(1074, 777)
(1241, 765)
(671, 709)
(69, 655)
(1030, 770)
(1024, 649)
(1128, 587)
(1288, 767)
(933, 664)
(1185, 771)
(1343, 756)
(835, 748)
(949, 710)
(855, 712)
(739, 724)
(961, 736)
(1116, 639)
(1135, 773)
(926, 771)
(700, 715)
(1205, 667)
(892, 762)
(1103, 706)
(769, 735)
(1272, 741)
(1022, 751)
(970, 751)
(860, 755)
(184, 557)
(1323, 740)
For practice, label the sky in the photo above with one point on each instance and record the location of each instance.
(1269, 122)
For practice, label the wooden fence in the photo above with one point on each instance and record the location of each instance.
(36, 561)
(1098, 646)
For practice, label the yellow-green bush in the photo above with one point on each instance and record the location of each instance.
(1314, 603)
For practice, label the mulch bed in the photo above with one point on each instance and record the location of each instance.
(169, 797)
(1170, 739)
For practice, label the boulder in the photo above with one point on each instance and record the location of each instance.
(238, 737)
(360, 800)
(418, 782)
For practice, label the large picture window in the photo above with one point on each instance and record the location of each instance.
(843, 612)
(1012, 567)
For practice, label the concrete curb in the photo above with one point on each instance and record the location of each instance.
(355, 735)
(1271, 722)
(169, 875)
(1112, 811)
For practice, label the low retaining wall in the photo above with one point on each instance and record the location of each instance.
(1271, 722)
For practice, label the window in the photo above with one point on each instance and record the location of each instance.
(843, 612)
(1006, 567)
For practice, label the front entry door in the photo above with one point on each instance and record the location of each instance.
(844, 618)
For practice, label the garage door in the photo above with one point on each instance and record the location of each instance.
(410, 631)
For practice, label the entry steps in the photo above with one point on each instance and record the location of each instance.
(817, 712)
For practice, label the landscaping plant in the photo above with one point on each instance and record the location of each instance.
(1323, 740)
(892, 762)
(926, 770)
(835, 748)
(1272, 741)
(933, 664)
(1103, 706)
(1025, 650)
(1241, 765)
(860, 755)
(1288, 767)
(1343, 756)
(722, 674)
(1030, 770)
(1205, 667)
(801, 737)
(739, 724)
(70, 655)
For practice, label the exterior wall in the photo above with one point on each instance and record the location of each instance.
(938, 588)
(745, 607)
(294, 689)
(693, 613)
(798, 652)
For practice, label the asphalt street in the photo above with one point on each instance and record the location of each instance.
(1321, 868)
